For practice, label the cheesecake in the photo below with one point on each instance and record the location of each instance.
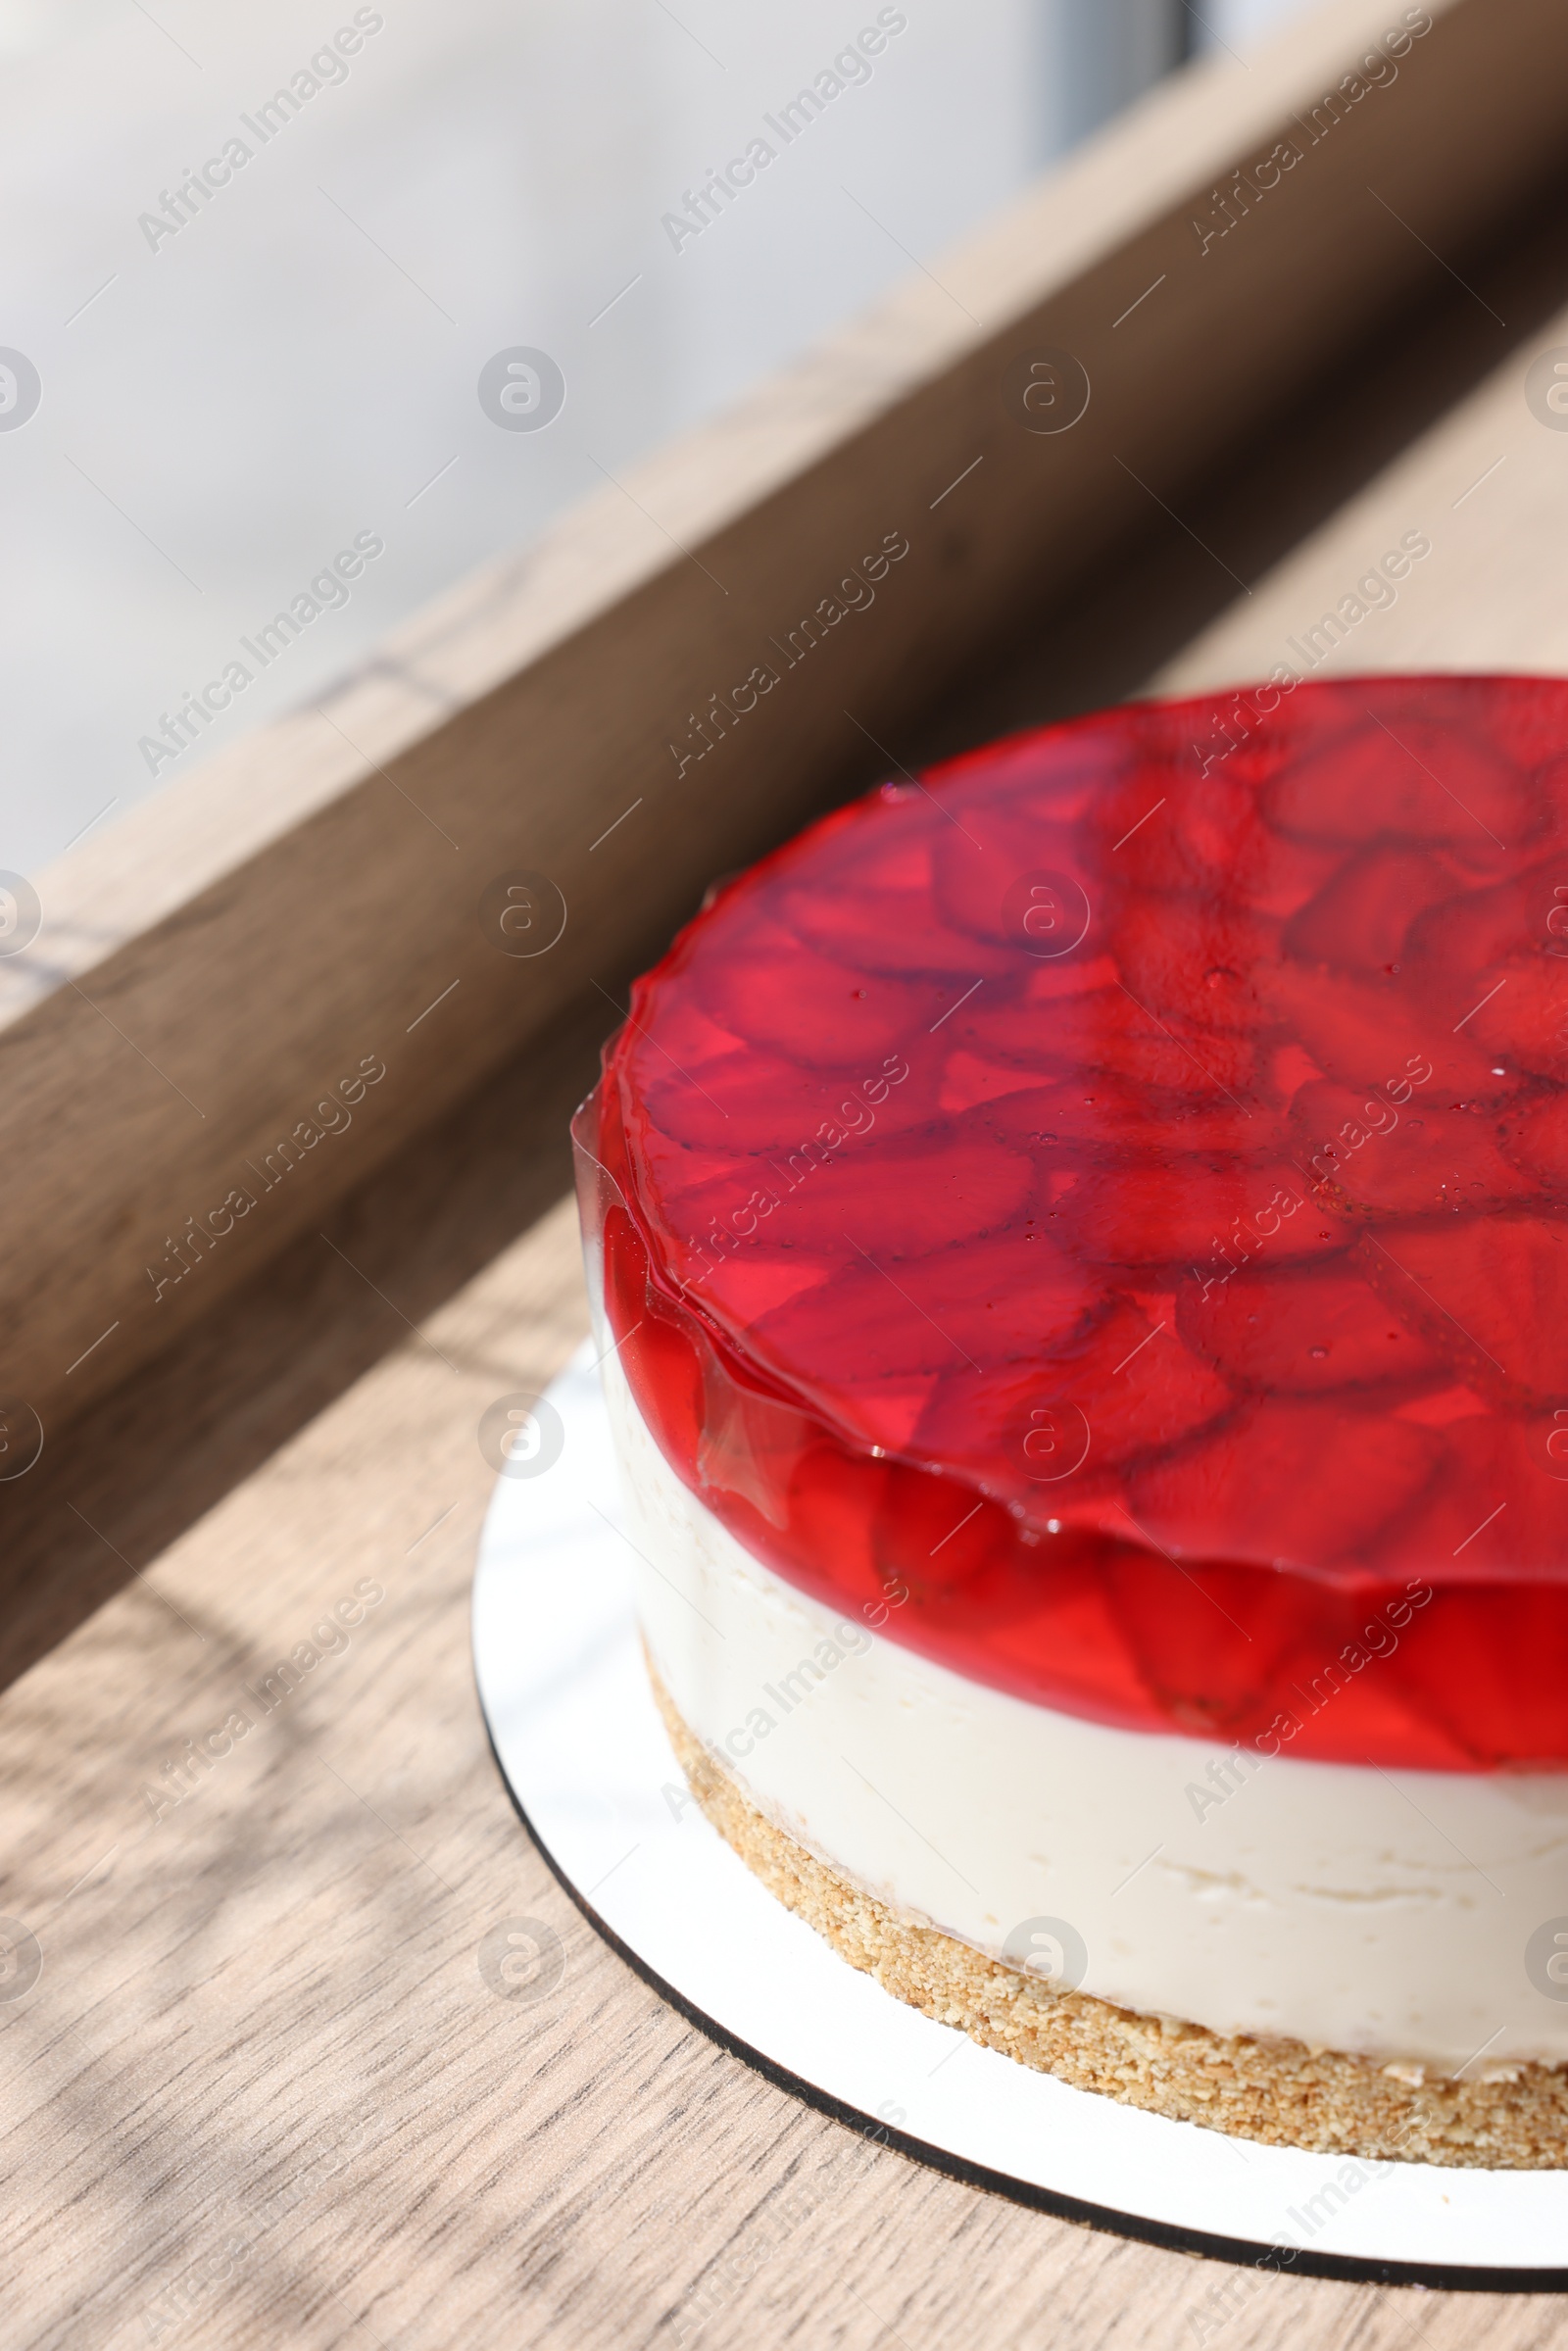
(1080, 1251)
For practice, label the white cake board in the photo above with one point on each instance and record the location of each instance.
(585, 1757)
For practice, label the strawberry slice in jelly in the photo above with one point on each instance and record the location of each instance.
(1497, 1505)
(1120, 1187)
(885, 1197)
(989, 1303)
(1469, 929)
(1168, 829)
(1409, 778)
(1298, 1331)
(1197, 1214)
(748, 1102)
(1427, 1157)
(1533, 1133)
(1385, 1033)
(809, 1009)
(1521, 1017)
(1018, 889)
(1360, 918)
(1124, 1388)
(1491, 1294)
(897, 935)
(1299, 1484)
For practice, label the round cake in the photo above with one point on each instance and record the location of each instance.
(1080, 1245)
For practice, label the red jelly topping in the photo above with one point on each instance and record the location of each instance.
(1102, 1213)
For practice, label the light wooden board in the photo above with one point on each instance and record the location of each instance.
(261, 2093)
(210, 969)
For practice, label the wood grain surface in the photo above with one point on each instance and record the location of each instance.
(261, 2092)
(212, 968)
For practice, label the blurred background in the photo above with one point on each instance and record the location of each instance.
(231, 387)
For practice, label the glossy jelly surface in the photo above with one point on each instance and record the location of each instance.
(1100, 1215)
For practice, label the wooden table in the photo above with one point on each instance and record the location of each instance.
(261, 2092)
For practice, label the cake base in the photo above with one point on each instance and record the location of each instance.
(1276, 2091)
(589, 1766)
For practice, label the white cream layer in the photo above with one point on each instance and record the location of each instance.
(1350, 1908)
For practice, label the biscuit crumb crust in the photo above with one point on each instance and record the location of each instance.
(1276, 2091)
